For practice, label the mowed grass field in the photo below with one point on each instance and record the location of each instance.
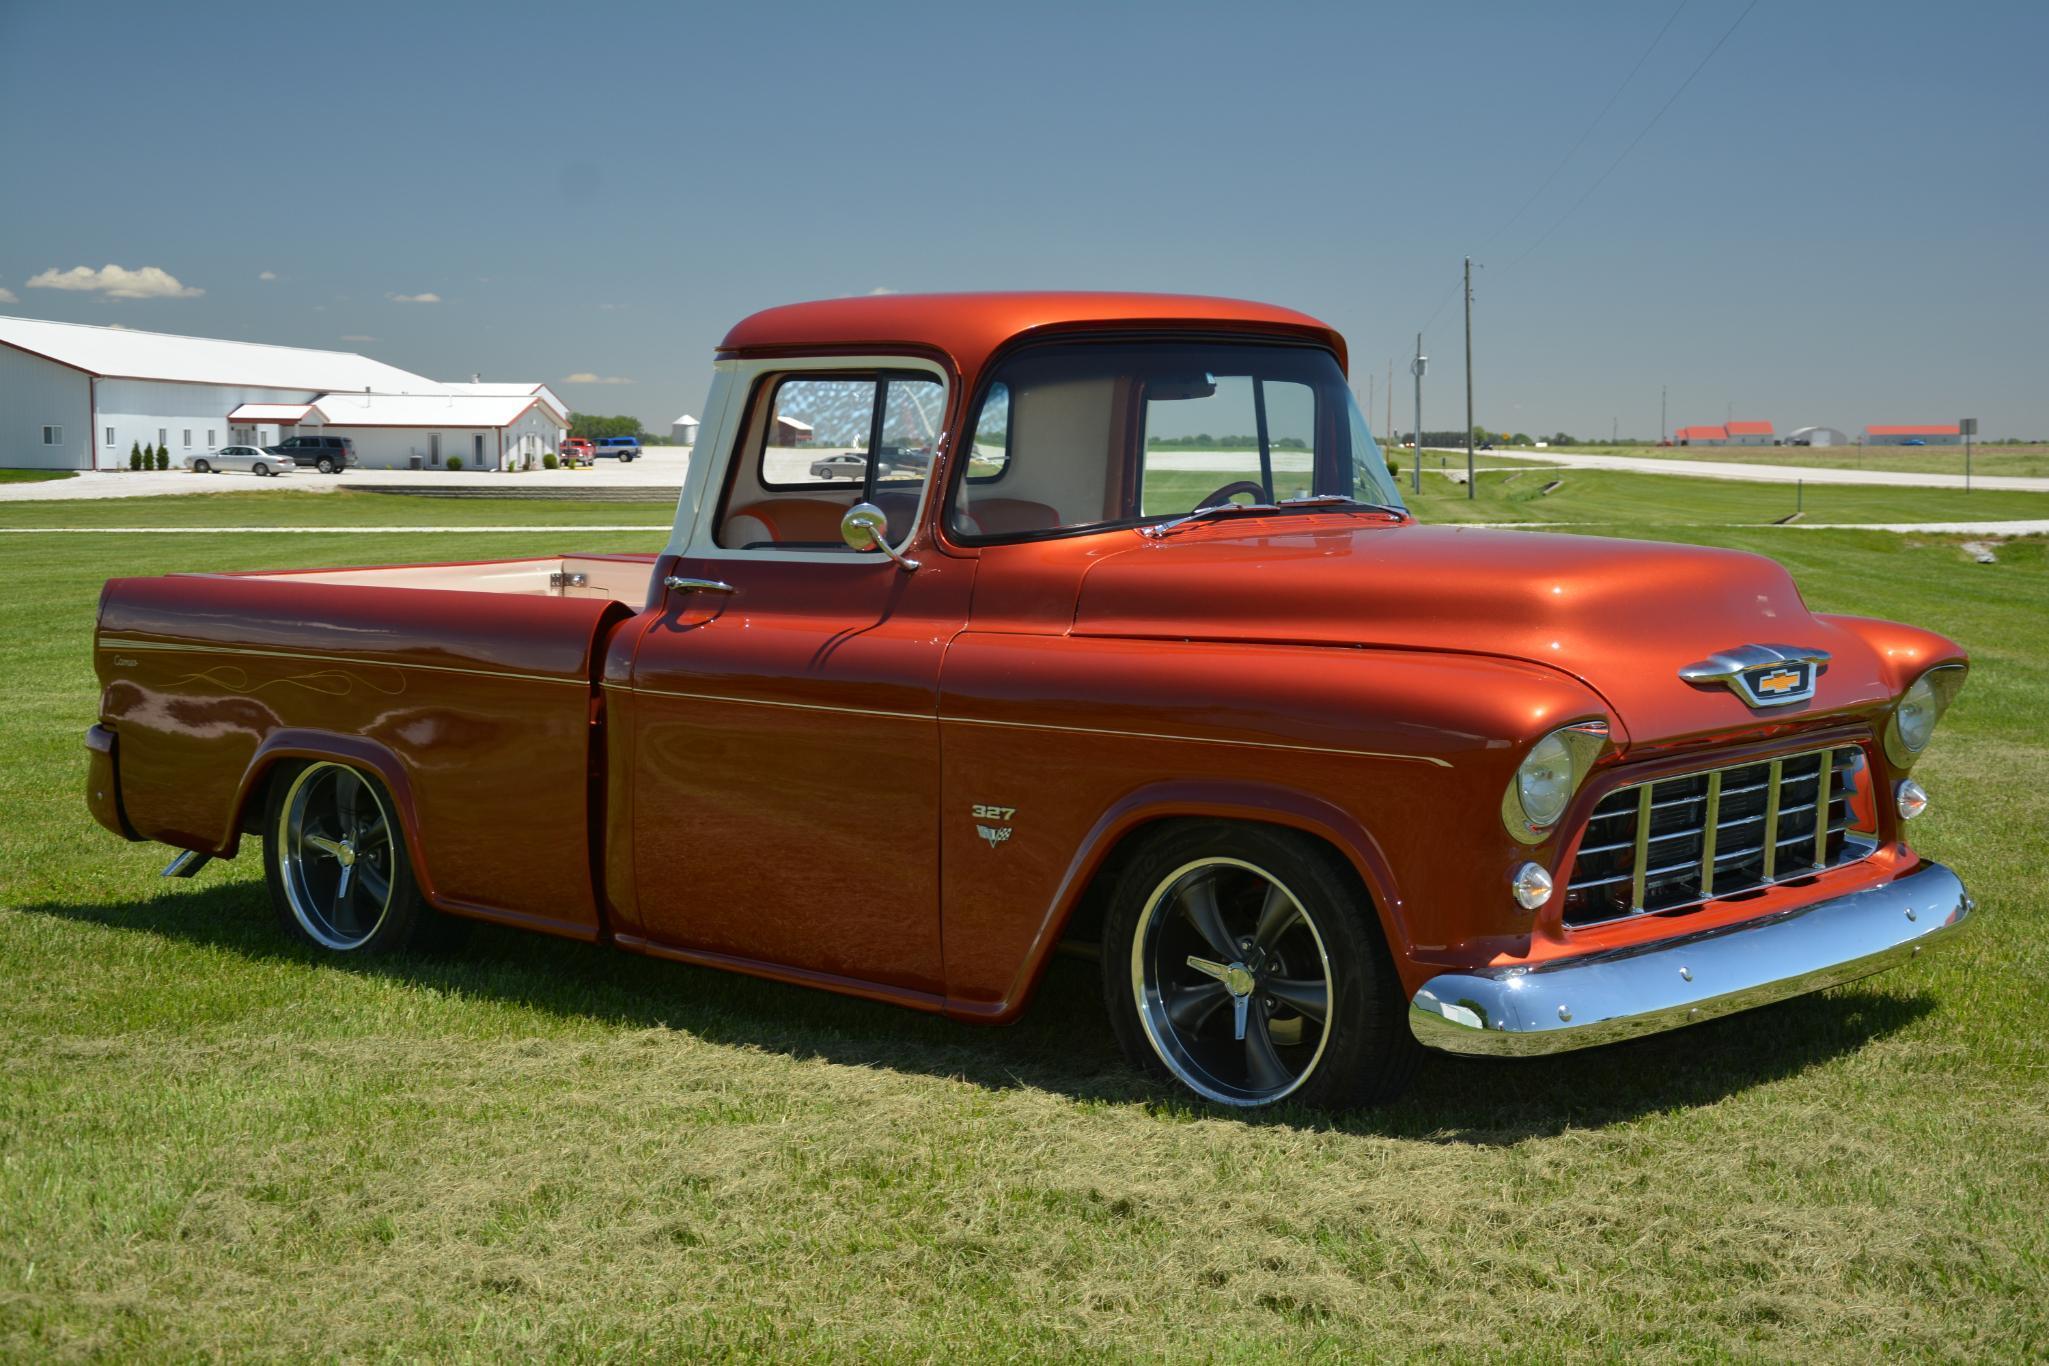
(2029, 458)
(214, 1144)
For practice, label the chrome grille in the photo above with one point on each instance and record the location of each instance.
(1683, 840)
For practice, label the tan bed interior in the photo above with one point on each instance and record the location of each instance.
(621, 577)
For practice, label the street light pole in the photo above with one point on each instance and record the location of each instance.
(1472, 488)
(1416, 367)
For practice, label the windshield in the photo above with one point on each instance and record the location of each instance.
(1081, 436)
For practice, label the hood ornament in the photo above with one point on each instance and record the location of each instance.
(1762, 675)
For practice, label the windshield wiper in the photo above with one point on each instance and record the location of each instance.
(1315, 500)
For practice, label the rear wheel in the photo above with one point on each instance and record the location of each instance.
(335, 858)
(259, 469)
(1245, 962)
(325, 466)
(201, 467)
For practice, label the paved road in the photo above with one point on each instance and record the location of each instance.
(1764, 474)
(660, 472)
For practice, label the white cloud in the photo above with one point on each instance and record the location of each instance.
(586, 377)
(356, 337)
(266, 275)
(116, 282)
(414, 298)
(7, 297)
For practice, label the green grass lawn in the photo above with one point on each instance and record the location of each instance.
(1512, 493)
(342, 508)
(213, 1144)
(2031, 459)
(33, 476)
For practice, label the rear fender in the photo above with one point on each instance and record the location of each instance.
(285, 746)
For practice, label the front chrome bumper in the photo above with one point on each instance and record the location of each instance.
(1623, 993)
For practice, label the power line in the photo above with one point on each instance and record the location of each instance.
(1612, 166)
(1587, 132)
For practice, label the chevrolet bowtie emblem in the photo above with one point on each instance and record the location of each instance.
(1762, 675)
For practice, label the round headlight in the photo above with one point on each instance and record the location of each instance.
(1544, 782)
(1917, 714)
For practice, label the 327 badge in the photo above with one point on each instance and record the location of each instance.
(987, 824)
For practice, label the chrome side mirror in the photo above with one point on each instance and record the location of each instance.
(865, 527)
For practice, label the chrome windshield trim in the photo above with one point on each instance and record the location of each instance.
(1623, 993)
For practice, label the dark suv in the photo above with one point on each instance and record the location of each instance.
(328, 454)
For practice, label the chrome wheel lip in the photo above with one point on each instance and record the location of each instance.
(296, 846)
(1161, 1032)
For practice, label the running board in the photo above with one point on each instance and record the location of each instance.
(188, 862)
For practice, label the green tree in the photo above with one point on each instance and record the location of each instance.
(163, 457)
(594, 426)
(135, 455)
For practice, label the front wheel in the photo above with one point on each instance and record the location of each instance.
(335, 858)
(201, 467)
(1245, 962)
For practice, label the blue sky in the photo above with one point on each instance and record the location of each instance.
(1841, 220)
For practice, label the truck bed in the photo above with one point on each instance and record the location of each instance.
(471, 688)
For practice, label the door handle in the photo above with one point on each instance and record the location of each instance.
(682, 585)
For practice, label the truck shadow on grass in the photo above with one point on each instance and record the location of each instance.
(1063, 1043)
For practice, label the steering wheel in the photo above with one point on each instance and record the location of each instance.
(1230, 491)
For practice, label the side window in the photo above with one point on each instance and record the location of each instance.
(989, 455)
(913, 406)
(817, 432)
(820, 442)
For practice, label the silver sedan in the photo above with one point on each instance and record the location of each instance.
(247, 459)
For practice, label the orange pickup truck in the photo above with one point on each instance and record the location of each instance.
(1322, 788)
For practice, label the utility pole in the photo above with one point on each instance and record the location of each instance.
(1472, 485)
(1663, 434)
(1416, 456)
(1390, 400)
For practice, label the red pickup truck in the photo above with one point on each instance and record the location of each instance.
(1320, 786)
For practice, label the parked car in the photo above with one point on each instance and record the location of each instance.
(1913, 441)
(328, 454)
(852, 465)
(1320, 787)
(624, 447)
(576, 450)
(242, 459)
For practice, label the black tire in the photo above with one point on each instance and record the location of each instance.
(325, 466)
(259, 469)
(201, 467)
(1177, 1021)
(313, 905)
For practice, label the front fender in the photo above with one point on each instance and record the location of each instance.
(1267, 803)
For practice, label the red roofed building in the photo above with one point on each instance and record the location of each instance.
(1701, 436)
(1927, 434)
(1749, 433)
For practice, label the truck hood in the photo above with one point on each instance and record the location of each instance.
(1622, 616)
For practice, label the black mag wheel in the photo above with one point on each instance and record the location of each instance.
(335, 857)
(1247, 964)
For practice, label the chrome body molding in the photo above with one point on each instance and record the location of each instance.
(1620, 994)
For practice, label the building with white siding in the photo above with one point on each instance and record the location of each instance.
(78, 397)
(453, 429)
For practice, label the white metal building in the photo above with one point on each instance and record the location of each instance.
(77, 397)
(426, 431)
(683, 431)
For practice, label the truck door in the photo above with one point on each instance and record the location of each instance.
(786, 758)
